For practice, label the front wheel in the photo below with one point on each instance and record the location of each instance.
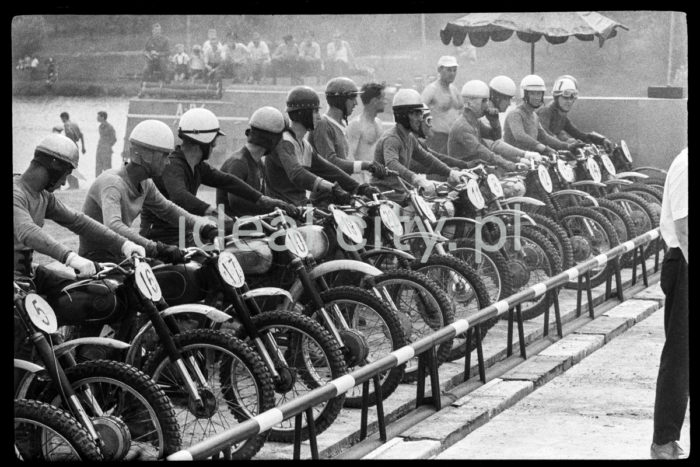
(312, 358)
(46, 433)
(236, 386)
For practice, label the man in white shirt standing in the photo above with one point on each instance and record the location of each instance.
(674, 369)
(259, 58)
(340, 59)
(444, 101)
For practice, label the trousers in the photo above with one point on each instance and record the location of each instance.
(674, 371)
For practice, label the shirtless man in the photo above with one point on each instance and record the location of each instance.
(364, 130)
(445, 104)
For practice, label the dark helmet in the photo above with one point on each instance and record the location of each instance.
(341, 86)
(302, 97)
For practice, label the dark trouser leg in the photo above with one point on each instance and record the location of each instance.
(673, 379)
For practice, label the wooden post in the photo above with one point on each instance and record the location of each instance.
(532, 58)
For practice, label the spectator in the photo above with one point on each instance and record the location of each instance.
(103, 158)
(444, 101)
(51, 72)
(237, 58)
(211, 37)
(340, 60)
(259, 58)
(34, 68)
(197, 63)
(285, 61)
(157, 51)
(213, 58)
(72, 131)
(181, 61)
(57, 129)
(365, 129)
(310, 53)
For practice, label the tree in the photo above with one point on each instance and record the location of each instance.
(28, 35)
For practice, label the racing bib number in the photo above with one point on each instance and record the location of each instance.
(594, 170)
(390, 219)
(566, 171)
(40, 313)
(146, 282)
(474, 194)
(346, 225)
(295, 243)
(230, 269)
(495, 185)
(607, 163)
(626, 150)
(545, 179)
(425, 209)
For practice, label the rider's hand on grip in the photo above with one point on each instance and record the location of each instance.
(170, 253)
(374, 167)
(130, 248)
(83, 266)
(575, 145)
(426, 187)
(208, 232)
(367, 190)
(340, 196)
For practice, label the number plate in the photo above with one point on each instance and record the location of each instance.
(346, 225)
(295, 243)
(390, 219)
(495, 185)
(545, 179)
(594, 170)
(425, 209)
(626, 150)
(565, 170)
(607, 163)
(146, 282)
(41, 313)
(474, 194)
(230, 269)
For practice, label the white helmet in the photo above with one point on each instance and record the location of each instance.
(153, 134)
(503, 85)
(531, 83)
(565, 85)
(267, 118)
(61, 147)
(475, 89)
(407, 99)
(200, 125)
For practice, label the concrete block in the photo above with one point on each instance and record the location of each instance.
(576, 346)
(495, 398)
(653, 292)
(398, 448)
(609, 327)
(449, 424)
(634, 309)
(539, 369)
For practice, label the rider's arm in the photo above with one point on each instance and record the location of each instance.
(447, 160)
(432, 164)
(578, 134)
(322, 140)
(173, 180)
(521, 139)
(544, 137)
(391, 150)
(332, 173)
(464, 143)
(164, 208)
(228, 182)
(299, 175)
(111, 202)
(492, 130)
(505, 150)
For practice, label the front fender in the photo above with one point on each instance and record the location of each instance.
(579, 193)
(523, 200)
(66, 347)
(383, 250)
(30, 369)
(267, 292)
(210, 312)
(631, 175)
(27, 366)
(335, 265)
(443, 221)
(651, 169)
(617, 181)
(512, 213)
(424, 235)
(588, 183)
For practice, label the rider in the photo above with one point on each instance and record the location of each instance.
(293, 167)
(118, 195)
(522, 126)
(398, 147)
(502, 89)
(186, 169)
(329, 136)
(265, 131)
(554, 116)
(468, 135)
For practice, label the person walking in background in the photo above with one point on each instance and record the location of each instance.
(103, 159)
(340, 59)
(259, 58)
(365, 129)
(674, 369)
(72, 131)
(444, 101)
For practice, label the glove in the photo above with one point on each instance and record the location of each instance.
(269, 203)
(426, 186)
(84, 266)
(208, 232)
(130, 248)
(550, 152)
(574, 146)
(521, 166)
(367, 190)
(608, 145)
(339, 195)
(375, 168)
(455, 176)
(533, 155)
(169, 253)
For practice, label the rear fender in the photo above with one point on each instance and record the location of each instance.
(631, 175)
(27, 366)
(427, 236)
(385, 250)
(588, 183)
(578, 193)
(268, 292)
(617, 182)
(523, 200)
(446, 220)
(512, 213)
(66, 347)
(651, 169)
(27, 376)
(336, 265)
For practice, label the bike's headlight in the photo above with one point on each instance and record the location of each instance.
(444, 208)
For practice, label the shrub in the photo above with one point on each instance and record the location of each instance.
(28, 35)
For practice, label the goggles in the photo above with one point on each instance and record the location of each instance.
(428, 119)
(569, 94)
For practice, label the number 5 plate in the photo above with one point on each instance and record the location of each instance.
(230, 270)
(41, 313)
(147, 283)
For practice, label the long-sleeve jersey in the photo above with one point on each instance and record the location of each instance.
(113, 200)
(524, 130)
(179, 183)
(242, 165)
(396, 149)
(466, 142)
(554, 121)
(329, 140)
(294, 167)
(31, 208)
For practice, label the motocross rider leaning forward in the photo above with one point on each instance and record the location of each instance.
(293, 167)
(555, 119)
(522, 127)
(468, 135)
(117, 196)
(398, 147)
(329, 136)
(186, 169)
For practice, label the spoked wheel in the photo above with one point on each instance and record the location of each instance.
(490, 265)
(557, 236)
(591, 234)
(46, 433)
(237, 386)
(621, 221)
(424, 307)
(312, 358)
(132, 416)
(644, 214)
(374, 332)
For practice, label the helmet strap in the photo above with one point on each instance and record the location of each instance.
(305, 117)
(55, 168)
(262, 138)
